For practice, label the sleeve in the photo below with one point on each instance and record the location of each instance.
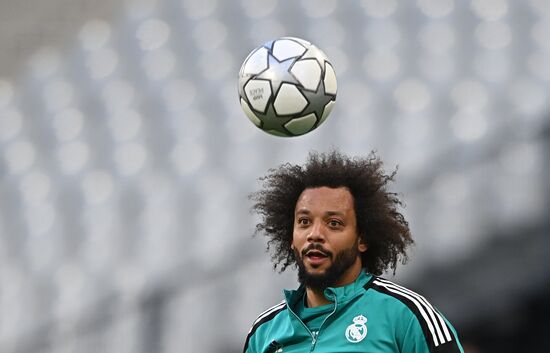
(429, 334)
(255, 340)
(249, 345)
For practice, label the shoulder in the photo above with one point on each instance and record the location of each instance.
(268, 314)
(264, 319)
(422, 315)
(395, 293)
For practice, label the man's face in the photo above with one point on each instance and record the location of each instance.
(325, 239)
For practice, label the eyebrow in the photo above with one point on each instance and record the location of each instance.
(328, 213)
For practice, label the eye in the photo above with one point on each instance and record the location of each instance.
(335, 223)
(303, 221)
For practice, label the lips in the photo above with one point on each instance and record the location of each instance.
(316, 253)
(316, 257)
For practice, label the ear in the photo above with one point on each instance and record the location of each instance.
(361, 245)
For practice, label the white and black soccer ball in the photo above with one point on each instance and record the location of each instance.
(287, 87)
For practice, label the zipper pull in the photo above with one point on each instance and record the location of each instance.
(313, 339)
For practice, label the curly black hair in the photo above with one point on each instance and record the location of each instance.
(379, 223)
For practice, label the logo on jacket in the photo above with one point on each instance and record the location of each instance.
(275, 347)
(357, 331)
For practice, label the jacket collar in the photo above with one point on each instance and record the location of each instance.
(335, 294)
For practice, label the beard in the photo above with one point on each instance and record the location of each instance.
(340, 264)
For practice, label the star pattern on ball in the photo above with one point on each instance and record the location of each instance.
(316, 101)
(270, 121)
(290, 71)
(314, 53)
(278, 72)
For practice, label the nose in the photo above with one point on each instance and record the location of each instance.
(316, 234)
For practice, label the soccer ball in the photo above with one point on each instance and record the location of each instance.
(287, 87)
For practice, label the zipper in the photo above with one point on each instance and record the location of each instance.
(314, 340)
(322, 323)
(314, 334)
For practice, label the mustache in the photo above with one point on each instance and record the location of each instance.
(316, 247)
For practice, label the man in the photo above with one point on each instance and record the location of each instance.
(335, 220)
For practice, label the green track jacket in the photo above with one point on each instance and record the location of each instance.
(370, 315)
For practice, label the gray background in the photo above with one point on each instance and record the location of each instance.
(126, 161)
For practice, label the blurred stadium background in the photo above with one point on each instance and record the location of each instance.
(126, 161)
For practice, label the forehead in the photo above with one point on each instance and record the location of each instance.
(325, 199)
